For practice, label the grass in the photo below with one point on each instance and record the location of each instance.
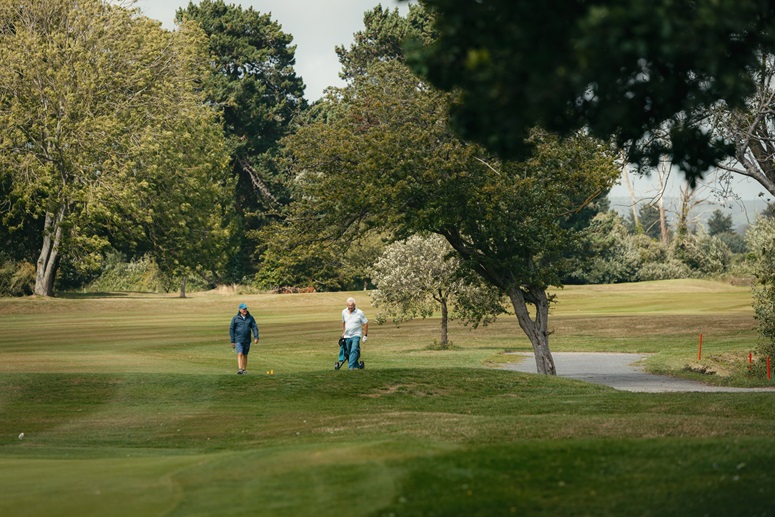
(129, 405)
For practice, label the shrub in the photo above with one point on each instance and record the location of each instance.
(609, 254)
(703, 254)
(139, 275)
(760, 239)
(668, 270)
(16, 278)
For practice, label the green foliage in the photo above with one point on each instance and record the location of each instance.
(383, 38)
(648, 217)
(252, 82)
(630, 69)
(314, 255)
(390, 161)
(734, 241)
(668, 270)
(138, 275)
(650, 249)
(703, 254)
(16, 278)
(117, 275)
(609, 253)
(419, 276)
(104, 136)
(760, 238)
(398, 166)
(251, 79)
(719, 223)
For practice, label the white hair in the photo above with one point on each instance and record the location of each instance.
(351, 300)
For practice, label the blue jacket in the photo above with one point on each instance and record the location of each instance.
(239, 330)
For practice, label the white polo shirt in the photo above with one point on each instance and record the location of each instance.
(353, 322)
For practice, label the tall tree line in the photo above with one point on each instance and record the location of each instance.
(90, 156)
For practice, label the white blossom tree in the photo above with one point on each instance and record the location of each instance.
(420, 275)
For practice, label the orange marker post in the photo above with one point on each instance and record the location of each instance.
(699, 350)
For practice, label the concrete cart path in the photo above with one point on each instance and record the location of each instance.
(618, 370)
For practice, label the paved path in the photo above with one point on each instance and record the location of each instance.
(620, 371)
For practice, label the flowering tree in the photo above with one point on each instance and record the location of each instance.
(418, 276)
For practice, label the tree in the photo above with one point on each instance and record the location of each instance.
(719, 223)
(98, 105)
(609, 254)
(389, 160)
(649, 220)
(253, 82)
(760, 240)
(750, 128)
(417, 276)
(383, 37)
(625, 69)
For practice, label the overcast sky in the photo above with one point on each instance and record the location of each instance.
(317, 26)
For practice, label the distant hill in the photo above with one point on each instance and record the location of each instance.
(743, 211)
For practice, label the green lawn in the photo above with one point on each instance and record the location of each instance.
(130, 405)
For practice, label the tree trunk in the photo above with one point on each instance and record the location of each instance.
(663, 178)
(682, 229)
(537, 330)
(183, 287)
(444, 319)
(635, 218)
(48, 260)
(662, 221)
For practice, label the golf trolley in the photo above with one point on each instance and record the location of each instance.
(344, 354)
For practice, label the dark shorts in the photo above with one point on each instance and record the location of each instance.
(243, 348)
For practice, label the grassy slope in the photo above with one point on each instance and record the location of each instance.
(130, 406)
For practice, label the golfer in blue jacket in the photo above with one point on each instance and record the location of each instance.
(239, 331)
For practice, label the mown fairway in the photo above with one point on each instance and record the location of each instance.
(130, 405)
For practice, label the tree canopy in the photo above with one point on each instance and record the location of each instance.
(390, 161)
(253, 83)
(383, 37)
(100, 121)
(622, 68)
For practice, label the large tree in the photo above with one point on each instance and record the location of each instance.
(389, 160)
(327, 261)
(626, 68)
(751, 128)
(98, 115)
(253, 82)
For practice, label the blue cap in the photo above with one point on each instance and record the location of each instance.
(243, 306)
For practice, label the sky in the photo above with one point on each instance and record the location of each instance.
(317, 26)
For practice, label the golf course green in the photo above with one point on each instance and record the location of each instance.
(129, 404)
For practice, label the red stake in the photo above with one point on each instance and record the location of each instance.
(699, 351)
(769, 376)
(750, 360)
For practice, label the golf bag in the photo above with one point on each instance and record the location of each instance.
(344, 356)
